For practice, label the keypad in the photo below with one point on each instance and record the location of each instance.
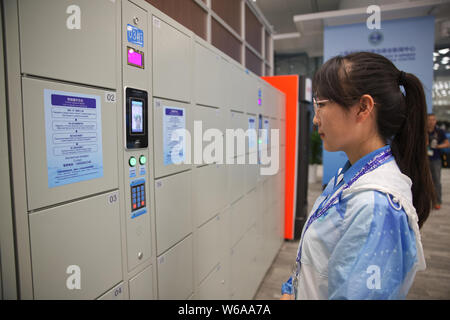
(137, 196)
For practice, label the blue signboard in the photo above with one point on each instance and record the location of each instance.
(135, 35)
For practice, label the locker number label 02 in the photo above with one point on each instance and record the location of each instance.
(110, 97)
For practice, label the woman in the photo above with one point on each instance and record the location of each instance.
(361, 239)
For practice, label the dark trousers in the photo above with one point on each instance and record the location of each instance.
(435, 166)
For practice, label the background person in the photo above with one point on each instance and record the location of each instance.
(437, 140)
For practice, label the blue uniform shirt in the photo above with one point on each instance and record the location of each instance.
(361, 248)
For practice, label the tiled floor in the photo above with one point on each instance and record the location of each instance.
(433, 283)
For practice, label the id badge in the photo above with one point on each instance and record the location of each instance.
(295, 280)
(295, 287)
(430, 152)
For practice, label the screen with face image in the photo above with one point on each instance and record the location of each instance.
(137, 116)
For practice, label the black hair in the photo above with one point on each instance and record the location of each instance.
(401, 116)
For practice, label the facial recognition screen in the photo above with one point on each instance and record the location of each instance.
(137, 116)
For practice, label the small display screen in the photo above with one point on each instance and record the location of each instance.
(137, 117)
(135, 57)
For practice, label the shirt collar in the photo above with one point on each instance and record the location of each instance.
(351, 170)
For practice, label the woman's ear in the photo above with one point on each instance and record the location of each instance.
(365, 109)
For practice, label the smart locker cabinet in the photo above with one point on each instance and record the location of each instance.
(93, 91)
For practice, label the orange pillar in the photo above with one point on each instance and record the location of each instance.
(290, 86)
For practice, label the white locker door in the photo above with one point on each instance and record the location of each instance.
(72, 41)
(141, 285)
(76, 241)
(70, 142)
(172, 68)
(215, 286)
(175, 271)
(173, 210)
(207, 76)
(209, 186)
(207, 245)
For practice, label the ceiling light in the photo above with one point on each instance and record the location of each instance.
(447, 67)
(435, 54)
(444, 51)
(290, 35)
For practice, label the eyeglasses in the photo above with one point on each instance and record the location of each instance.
(318, 104)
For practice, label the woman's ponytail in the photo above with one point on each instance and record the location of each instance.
(410, 145)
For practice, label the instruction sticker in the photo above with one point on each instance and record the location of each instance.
(156, 22)
(267, 128)
(174, 133)
(135, 35)
(251, 136)
(73, 131)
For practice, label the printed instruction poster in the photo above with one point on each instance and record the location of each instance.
(174, 128)
(74, 137)
(267, 128)
(252, 137)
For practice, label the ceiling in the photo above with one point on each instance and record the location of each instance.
(305, 34)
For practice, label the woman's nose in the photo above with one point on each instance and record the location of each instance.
(315, 120)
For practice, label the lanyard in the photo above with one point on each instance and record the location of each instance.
(370, 166)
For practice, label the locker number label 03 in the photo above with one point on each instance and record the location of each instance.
(112, 198)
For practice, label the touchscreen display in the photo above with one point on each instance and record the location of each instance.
(137, 117)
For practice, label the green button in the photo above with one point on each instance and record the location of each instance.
(132, 161)
(142, 159)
